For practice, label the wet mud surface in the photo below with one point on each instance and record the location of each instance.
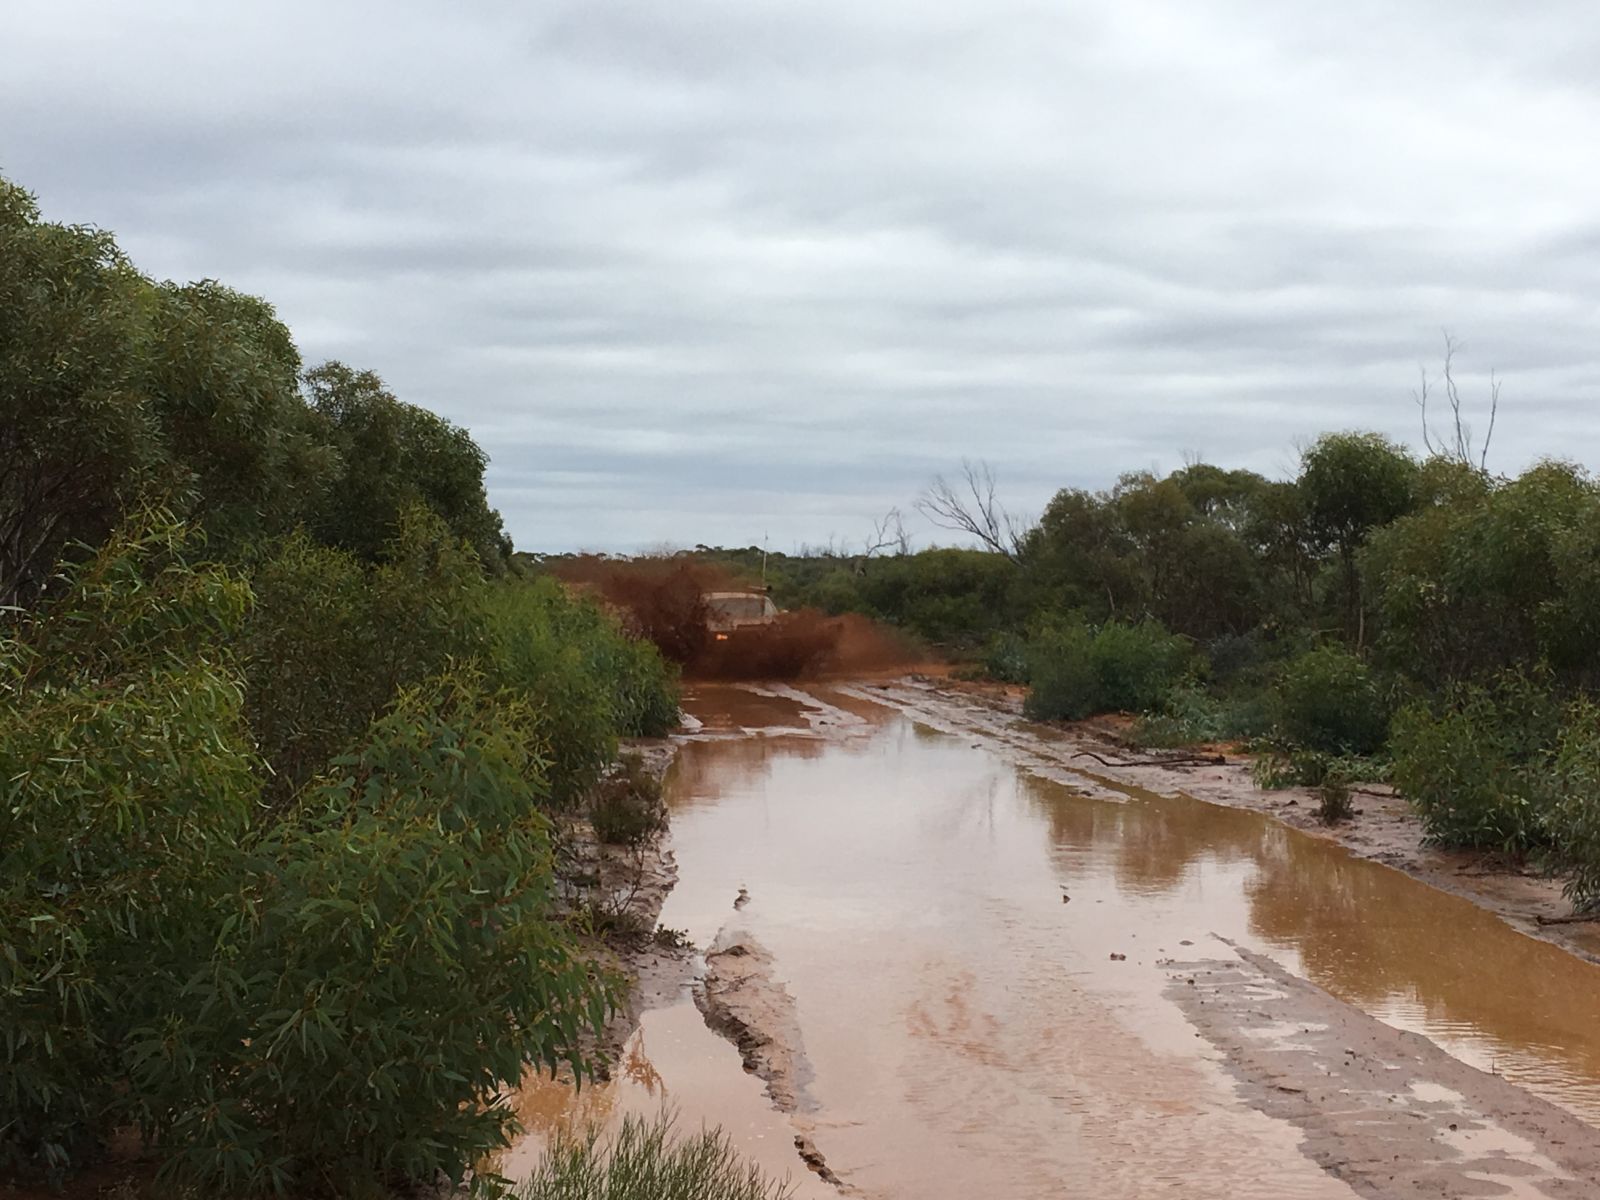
(1386, 1110)
(940, 957)
(745, 1001)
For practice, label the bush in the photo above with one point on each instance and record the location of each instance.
(1076, 672)
(587, 681)
(331, 640)
(126, 783)
(1328, 700)
(1333, 800)
(1567, 791)
(1005, 658)
(625, 807)
(647, 1161)
(392, 963)
(1190, 715)
(1467, 764)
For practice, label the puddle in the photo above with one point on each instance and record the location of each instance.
(946, 924)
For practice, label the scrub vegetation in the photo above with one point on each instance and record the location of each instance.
(1384, 615)
(648, 1160)
(286, 740)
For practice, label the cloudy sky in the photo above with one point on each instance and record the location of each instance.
(710, 270)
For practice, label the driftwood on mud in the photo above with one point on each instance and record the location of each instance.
(1572, 919)
(1181, 760)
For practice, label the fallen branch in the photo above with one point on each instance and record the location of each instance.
(1574, 919)
(1187, 760)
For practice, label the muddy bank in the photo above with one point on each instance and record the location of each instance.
(1089, 757)
(621, 890)
(745, 1001)
(1387, 1111)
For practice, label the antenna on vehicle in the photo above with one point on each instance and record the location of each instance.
(764, 537)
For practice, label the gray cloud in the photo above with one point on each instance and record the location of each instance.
(720, 269)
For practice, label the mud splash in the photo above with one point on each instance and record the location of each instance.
(663, 601)
(979, 949)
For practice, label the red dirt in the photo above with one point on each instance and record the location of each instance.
(661, 600)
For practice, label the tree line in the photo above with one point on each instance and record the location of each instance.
(285, 736)
(1383, 615)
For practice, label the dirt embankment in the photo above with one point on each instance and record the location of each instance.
(1387, 1111)
(1089, 756)
(744, 1000)
(625, 889)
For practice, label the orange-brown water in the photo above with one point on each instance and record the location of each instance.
(969, 1033)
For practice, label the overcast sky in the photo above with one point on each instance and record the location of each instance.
(708, 270)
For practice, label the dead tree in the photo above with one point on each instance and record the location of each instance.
(888, 535)
(970, 506)
(1456, 443)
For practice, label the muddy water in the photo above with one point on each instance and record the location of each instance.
(947, 924)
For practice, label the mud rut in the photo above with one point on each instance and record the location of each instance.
(939, 957)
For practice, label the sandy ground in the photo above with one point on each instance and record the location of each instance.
(1386, 1111)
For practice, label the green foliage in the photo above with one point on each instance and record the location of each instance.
(588, 683)
(221, 375)
(1351, 484)
(1468, 762)
(1191, 715)
(395, 457)
(1566, 788)
(77, 435)
(648, 1161)
(332, 639)
(1005, 658)
(126, 782)
(1491, 577)
(114, 388)
(275, 876)
(1328, 700)
(625, 807)
(1177, 548)
(1075, 671)
(392, 964)
(1354, 483)
(952, 598)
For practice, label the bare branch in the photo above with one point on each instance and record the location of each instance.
(888, 533)
(1458, 445)
(1494, 411)
(970, 507)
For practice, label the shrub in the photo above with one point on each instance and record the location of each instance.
(587, 681)
(332, 640)
(1333, 799)
(1466, 765)
(1328, 700)
(1076, 672)
(392, 963)
(126, 783)
(648, 1161)
(1005, 658)
(1566, 791)
(625, 807)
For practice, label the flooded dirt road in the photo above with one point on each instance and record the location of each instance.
(963, 971)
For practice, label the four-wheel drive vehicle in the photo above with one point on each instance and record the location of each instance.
(730, 612)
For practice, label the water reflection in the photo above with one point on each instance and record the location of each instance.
(972, 1034)
(1365, 932)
